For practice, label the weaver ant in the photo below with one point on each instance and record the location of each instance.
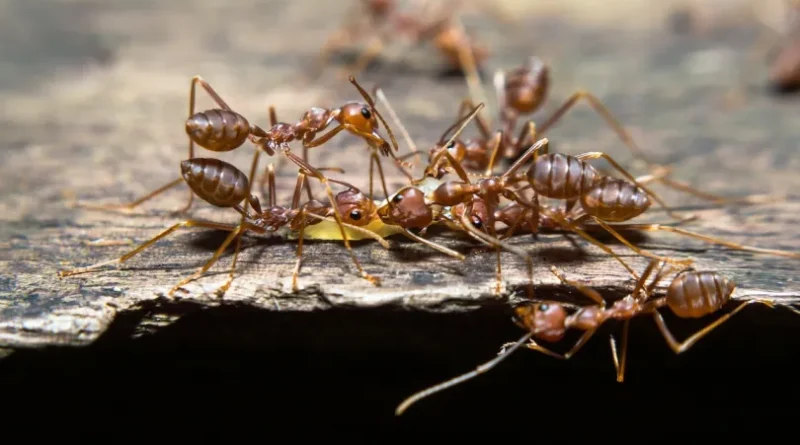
(691, 294)
(222, 129)
(785, 70)
(387, 23)
(520, 92)
(223, 185)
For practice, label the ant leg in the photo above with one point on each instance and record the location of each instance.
(541, 147)
(466, 224)
(716, 199)
(499, 83)
(242, 223)
(148, 243)
(462, 378)
(532, 345)
(480, 120)
(619, 360)
(311, 171)
(497, 144)
(462, 174)
(709, 239)
(689, 342)
(308, 183)
(235, 234)
(585, 290)
(411, 145)
(639, 251)
(600, 109)
(127, 207)
(299, 254)
(570, 226)
(466, 58)
(192, 95)
(599, 154)
(433, 245)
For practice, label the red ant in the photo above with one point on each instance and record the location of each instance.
(519, 92)
(387, 23)
(222, 129)
(223, 185)
(691, 294)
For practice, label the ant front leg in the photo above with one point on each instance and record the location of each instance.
(585, 290)
(532, 345)
(311, 171)
(603, 111)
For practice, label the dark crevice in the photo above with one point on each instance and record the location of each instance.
(265, 370)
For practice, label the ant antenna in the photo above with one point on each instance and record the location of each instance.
(462, 378)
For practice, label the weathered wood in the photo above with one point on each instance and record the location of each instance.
(114, 131)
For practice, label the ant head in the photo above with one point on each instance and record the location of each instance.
(408, 209)
(362, 118)
(456, 147)
(526, 87)
(546, 320)
(478, 216)
(379, 8)
(359, 115)
(355, 207)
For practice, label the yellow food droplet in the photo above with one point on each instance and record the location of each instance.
(329, 230)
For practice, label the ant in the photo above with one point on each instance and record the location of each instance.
(222, 129)
(691, 294)
(604, 200)
(520, 92)
(387, 23)
(785, 70)
(223, 185)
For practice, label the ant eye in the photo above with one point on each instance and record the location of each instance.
(397, 198)
(355, 215)
(366, 113)
(544, 307)
(477, 223)
(451, 144)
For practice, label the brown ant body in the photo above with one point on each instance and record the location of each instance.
(691, 294)
(222, 129)
(387, 23)
(223, 185)
(520, 92)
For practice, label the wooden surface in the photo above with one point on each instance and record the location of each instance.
(102, 119)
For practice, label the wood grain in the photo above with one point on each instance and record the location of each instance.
(107, 125)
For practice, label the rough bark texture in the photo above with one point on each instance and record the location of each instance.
(103, 120)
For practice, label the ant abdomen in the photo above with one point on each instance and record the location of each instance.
(215, 181)
(695, 294)
(560, 176)
(615, 200)
(527, 87)
(218, 129)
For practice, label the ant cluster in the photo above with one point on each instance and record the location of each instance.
(460, 191)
